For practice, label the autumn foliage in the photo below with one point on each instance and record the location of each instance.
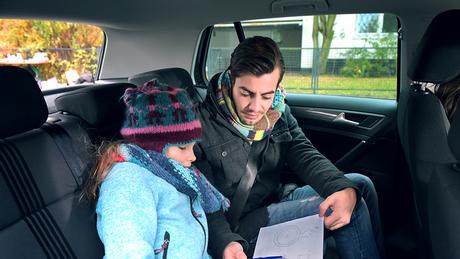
(68, 45)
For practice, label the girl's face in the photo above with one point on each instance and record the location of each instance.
(182, 154)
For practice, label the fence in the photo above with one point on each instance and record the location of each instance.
(348, 71)
(59, 60)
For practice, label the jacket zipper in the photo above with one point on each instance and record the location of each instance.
(164, 246)
(195, 216)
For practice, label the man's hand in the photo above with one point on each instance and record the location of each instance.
(234, 250)
(342, 204)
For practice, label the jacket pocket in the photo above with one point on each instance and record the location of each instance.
(228, 161)
(281, 136)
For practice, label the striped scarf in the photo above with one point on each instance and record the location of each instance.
(189, 181)
(263, 127)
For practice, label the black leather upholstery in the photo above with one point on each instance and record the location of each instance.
(174, 76)
(422, 121)
(423, 130)
(100, 106)
(444, 201)
(437, 58)
(42, 215)
(43, 166)
(20, 91)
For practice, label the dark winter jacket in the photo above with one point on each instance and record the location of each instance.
(222, 156)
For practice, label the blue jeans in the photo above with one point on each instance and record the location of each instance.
(355, 240)
(367, 189)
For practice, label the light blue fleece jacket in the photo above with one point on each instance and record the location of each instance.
(136, 208)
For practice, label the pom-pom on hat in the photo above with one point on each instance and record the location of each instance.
(159, 116)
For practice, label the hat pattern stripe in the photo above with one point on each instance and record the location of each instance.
(162, 129)
(183, 137)
(182, 106)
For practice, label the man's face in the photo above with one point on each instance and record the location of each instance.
(253, 95)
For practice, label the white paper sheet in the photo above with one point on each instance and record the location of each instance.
(297, 239)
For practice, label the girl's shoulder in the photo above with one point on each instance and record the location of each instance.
(126, 174)
(127, 179)
(131, 174)
(126, 170)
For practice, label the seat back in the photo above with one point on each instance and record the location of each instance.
(40, 186)
(444, 201)
(423, 128)
(422, 122)
(98, 110)
(99, 106)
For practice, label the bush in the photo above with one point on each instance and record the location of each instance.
(68, 45)
(62, 60)
(375, 61)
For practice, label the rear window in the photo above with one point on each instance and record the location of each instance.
(57, 54)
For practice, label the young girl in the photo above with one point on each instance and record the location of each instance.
(152, 201)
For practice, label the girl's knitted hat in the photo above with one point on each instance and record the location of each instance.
(158, 116)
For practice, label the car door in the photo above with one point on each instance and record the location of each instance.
(354, 127)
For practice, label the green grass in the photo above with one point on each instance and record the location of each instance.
(375, 87)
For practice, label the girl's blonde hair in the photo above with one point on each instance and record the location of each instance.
(107, 154)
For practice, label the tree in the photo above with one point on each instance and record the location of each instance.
(323, 24)
(68, 45)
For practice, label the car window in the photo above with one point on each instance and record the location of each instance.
(223, 40)
(58, 54)
(346, 55)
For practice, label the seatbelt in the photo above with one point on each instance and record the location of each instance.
(242, 193)
(65, 145)
(244, 187)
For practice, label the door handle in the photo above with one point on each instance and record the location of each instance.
(334, 117)
(340, 119)
(348, 119)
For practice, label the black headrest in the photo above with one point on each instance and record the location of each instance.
(214, 80)
(98, 105)
(454, 135)
(437, 58)
(23, 106)
(174, 76)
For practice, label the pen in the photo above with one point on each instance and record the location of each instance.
(269, 257)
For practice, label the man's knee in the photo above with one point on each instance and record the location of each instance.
(360, 209)
(363, 182)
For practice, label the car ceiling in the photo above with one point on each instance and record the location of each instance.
(151, 34)
(136, 14)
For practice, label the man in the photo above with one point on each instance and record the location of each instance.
(245, 119)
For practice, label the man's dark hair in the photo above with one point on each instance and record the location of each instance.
(257, 56)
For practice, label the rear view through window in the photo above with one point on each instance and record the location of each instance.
(347, 55)
(58, 54)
